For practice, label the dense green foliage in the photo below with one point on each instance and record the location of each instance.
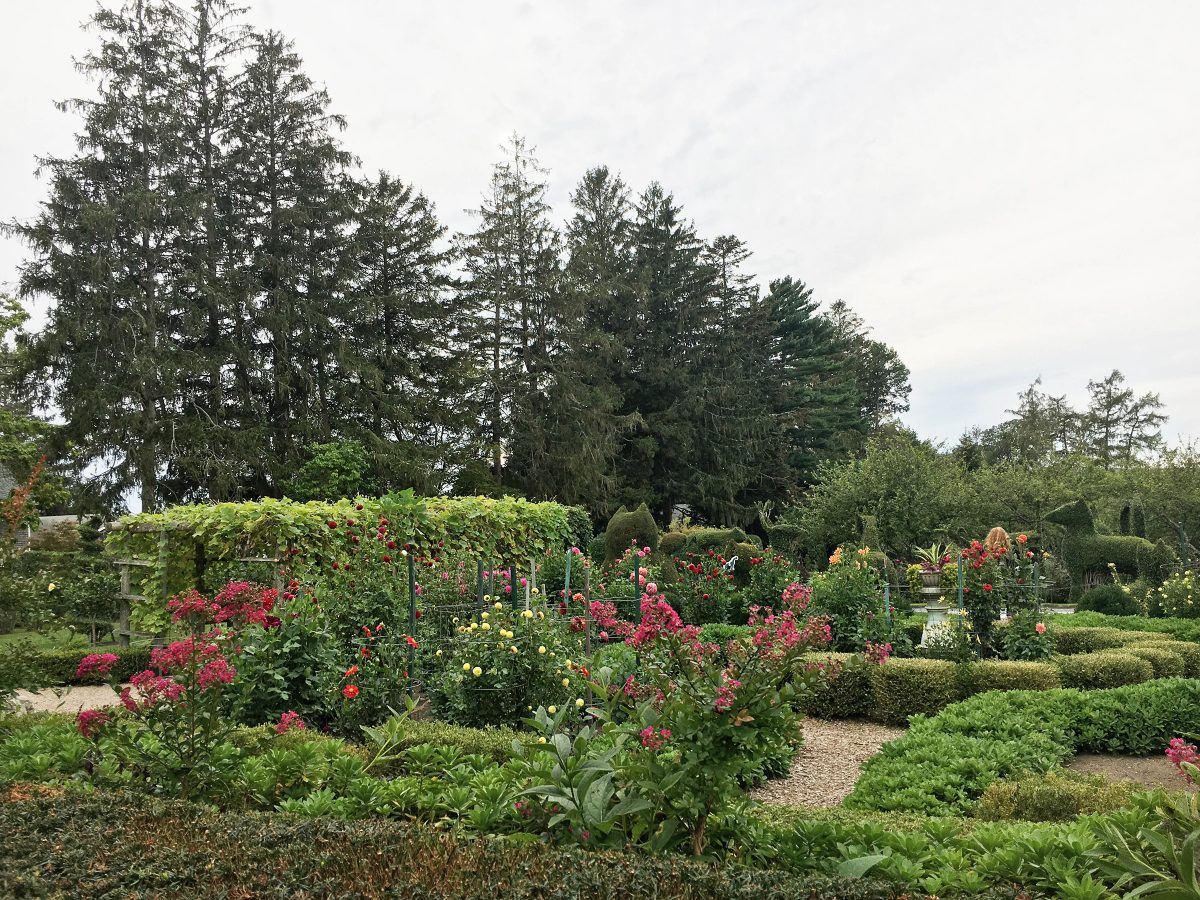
(1109, 599)
(943, 764)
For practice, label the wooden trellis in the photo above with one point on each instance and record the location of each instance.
(163, 592)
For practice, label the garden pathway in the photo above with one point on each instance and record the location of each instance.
(64, 701)
(826, 769)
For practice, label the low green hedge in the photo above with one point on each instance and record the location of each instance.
(847, 692)
(1164, 663)
(1056, 796)
(1109, 668)
(1189, 651)
(943, 764)
(907, 687)
(1004, 675)
(114, 846)
(1070, 641)
(59, 666)
(1182, 629)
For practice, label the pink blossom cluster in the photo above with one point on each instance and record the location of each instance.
(1179, 752)
(654, 740)
(151, 689)
(289, 721)
(605, 617)
(96, 664)
(726, 693)
(877, 654)
(658, 617)
(242, 603)
(780, 633)
(90, 721)
(796, 597)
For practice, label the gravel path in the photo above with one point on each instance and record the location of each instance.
(826, 769)
(67, 701)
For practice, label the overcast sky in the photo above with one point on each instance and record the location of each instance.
(1003, 190)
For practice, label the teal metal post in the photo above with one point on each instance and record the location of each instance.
(960, 583)
(567, 579)
(412, 616)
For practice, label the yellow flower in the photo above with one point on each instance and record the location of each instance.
(498, 605)
(552, 709)
(528, 614)
(475, 626)
(579, 703)
(515, 650)
(542, 739)
(51, 586)
(439, 653)
(535, 591)
(466, 667)
(485, 627)
(542, 649)
(483, 615)
(569, 664)
(541, 615)
(566, 682)
(477, 671)
(455, 620)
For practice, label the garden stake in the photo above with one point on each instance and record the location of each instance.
(567, 579)
(887, 605)
(479, 583)
(587, 632)
(531, 581)
(512, 578)
(960, 583)
(412, 620)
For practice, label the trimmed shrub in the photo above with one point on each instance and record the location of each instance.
(995, 675)
(720, 633)
(1055, 796)
(1109, 599)
(92, 846)
(1069, 641)
(1180, 628)
(59, 666)
(626, 528)
(1103, 670)
(1165, 663)
(1188, 650)
(909, 687)
(848, 694)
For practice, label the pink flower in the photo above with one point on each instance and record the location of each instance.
(1040, 627)
(652, 588)
(96, 664)
(218, 671)
(654, 740)
(90, 721)
(289, 721)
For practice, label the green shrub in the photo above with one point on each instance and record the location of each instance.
(1178, 596)
(1103, 670)
(848, 691)
(1180, 628)
(996, 675)
(1069, 641)
(943, 764)
(73, 846)
(1165, 663)
(1188, 650)
(1110, 599)
(908, 687)
(720, 633)
(59, 666)
(700, 540)
(1055, 796)
(626, 528)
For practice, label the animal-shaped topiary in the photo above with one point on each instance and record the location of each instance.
(626, 527)
(1088, 555)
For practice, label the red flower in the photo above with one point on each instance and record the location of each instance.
(350, 691)
(411, 641)
(351, 672)
(331, 523)
(987, 588)
(1022, 538)
(364, 652)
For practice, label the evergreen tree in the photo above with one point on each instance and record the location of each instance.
(512, 290)
(105, 248)
(1118, 425)
(290, 205)
(874, 368)
(403, 386)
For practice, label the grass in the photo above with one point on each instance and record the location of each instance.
(51, 639)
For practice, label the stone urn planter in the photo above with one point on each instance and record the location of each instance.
(931, 579)
(936, 623)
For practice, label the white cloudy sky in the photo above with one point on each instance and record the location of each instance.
(1004, 190)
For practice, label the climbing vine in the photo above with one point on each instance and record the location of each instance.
(173, 540)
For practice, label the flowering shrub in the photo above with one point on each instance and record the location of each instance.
(1185, 758)
(179, 711)
(699, 721)
(375, 679)
(704, 588)
(1027, 638)
(1177, 596)
(502, 661)
(771, 575)
(846, 592)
